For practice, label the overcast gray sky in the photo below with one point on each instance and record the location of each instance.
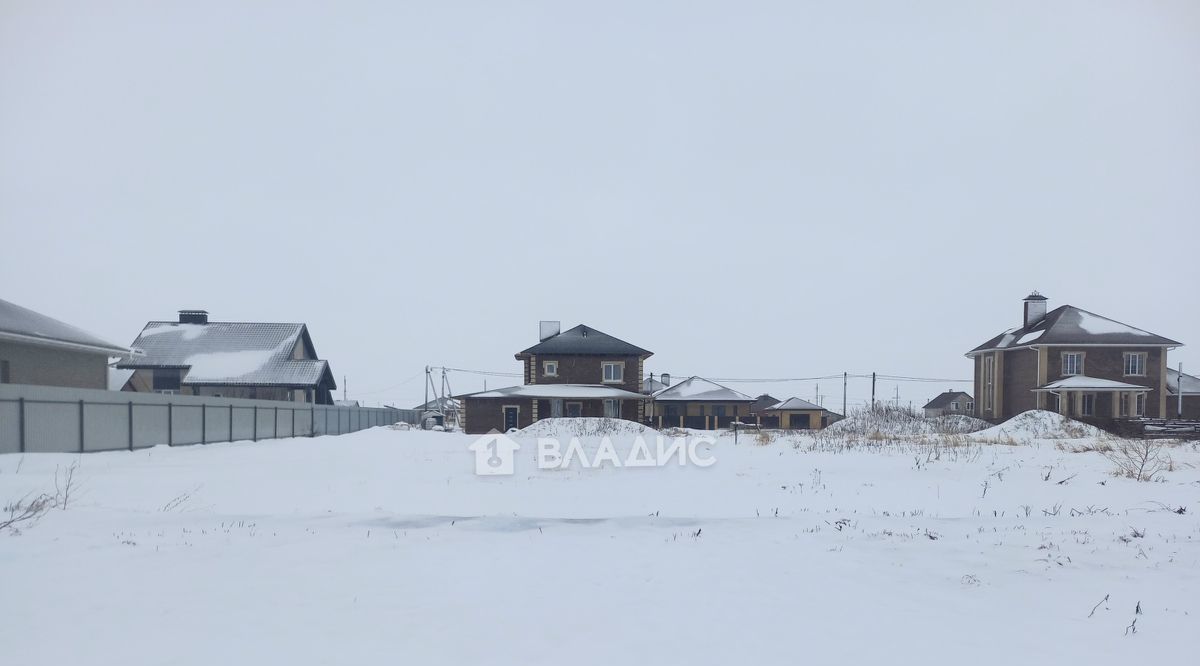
(749, 189)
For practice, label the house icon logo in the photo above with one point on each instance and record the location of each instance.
(494, 454)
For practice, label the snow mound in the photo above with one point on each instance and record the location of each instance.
(888, 422)
(586, 427)
(1040, 424)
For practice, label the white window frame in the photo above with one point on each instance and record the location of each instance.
(1140, 363)
(556, 408)
(954, 405)
(970, 407)
(1087, 406)
(567, 407)
(1139, 404)
(546, 365)
(1078, 365)
(989, 383)
(620, 372)
(612, 408)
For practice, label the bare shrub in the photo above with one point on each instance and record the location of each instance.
(25, 511)
(1139, 459)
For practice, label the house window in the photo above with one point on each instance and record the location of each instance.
(165, 380)
(1089, 405)
(1135, 364)
(614, 372)
(1124, 405)
(954, 406)
(574, 409)
(550, 368)
(4, 378)
(989, 388)
(556, 408)
(612, 409)
(970, 407)
(1072, 363)
(699, 410)
(1139, 404)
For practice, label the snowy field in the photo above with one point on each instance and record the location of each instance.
(383, 546)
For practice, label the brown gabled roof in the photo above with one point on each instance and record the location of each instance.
(1069, 325)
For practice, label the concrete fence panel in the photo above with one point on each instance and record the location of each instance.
(187, 425)
(243, 423)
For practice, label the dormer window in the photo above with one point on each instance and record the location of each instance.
(549, 368)
(614, 372)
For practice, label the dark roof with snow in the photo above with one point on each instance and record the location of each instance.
(696, 389)
(581, 341)
(232, 353)
(1191, 383)
(763, 402)
(946, 398)
(651, 385)
(24, 325)
(1069, 325)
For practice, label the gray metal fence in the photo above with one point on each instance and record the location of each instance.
(65, 420)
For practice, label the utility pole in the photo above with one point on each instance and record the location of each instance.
(345, 385)
(1179, 392)
(845, 379)
(817, 395)
(872, 391)
(897, 395)
(425, 405)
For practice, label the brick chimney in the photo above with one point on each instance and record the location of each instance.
(1035, 308)
(193, 316)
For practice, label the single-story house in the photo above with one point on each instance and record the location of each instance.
(698, 403)
(798, 414)
(195, 356)
(41, 350)
(950, 402)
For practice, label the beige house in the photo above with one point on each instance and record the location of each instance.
(797, 414)
(698, 403)
(40, 350)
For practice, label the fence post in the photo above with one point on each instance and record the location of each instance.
(170, 424)
(203, 423)
(312, 421)
(81, 426)
(21, 424)
(275, 427)
(293, 421)
(231, 421)
(130, 425)
(255, 437)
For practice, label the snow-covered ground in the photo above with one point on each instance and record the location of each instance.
(383, 546)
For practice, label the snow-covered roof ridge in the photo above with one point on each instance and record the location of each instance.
(698, 389)
(1067, 325)
(792, 404)
(1083, 382)
(231, 353)
(22, 324)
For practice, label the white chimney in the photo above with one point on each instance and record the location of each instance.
(666, 379)
(548, 329)
(1035, 308)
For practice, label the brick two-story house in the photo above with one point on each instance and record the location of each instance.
(1074, 362)
(578, 372)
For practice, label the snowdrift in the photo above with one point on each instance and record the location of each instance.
(889, 422)
(586, 427)
(1039, 424)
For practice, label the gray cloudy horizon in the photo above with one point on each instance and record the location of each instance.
(749, 190)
